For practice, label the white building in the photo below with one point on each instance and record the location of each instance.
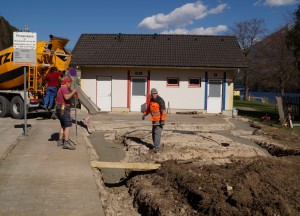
(191, 73)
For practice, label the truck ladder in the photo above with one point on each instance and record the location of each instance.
(32, 78)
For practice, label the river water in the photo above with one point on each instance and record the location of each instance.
(270, 96)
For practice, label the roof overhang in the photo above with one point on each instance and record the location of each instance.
(160, 67)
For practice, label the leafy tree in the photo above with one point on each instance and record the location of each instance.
(247, 33)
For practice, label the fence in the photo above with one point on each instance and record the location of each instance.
(291, 105)
(263, 100)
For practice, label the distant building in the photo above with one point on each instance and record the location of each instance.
(191, 72)
(237, 89)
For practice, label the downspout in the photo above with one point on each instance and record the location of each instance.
(128, 89)
(205, 90)
(224, 92)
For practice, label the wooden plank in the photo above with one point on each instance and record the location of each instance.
(125, 165)
(185, 161)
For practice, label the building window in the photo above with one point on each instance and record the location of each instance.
(172, 81)
(194, 82)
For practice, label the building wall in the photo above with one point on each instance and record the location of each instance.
(229, 95)
(119, 84)
(182, 97)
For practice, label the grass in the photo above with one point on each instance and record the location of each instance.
(255, 111)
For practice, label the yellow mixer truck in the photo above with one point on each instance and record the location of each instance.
(49, 54)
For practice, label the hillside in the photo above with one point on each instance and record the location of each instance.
(6, 33)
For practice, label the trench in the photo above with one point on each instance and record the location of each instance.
(277, 151)
(109, 152)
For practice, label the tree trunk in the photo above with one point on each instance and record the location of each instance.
(246, 91)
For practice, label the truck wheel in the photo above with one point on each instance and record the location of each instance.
(4, 107)
(17, 107)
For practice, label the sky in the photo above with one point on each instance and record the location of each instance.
(71, 18)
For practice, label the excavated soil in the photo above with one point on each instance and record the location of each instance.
(210, 165)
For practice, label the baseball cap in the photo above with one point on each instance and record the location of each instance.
(154, 91)
(66, 80)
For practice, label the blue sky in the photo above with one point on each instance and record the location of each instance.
(71, 18)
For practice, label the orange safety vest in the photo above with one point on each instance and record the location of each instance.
(157, 109)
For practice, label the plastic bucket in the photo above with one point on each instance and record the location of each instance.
(234, 112)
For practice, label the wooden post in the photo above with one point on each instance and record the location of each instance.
(168, 109)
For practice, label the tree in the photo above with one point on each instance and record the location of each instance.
(274, 61)
(293, 37)
(247, 33)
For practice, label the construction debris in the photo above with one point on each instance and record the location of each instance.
(188, 113)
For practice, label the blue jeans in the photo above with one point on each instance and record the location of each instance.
(50, 96)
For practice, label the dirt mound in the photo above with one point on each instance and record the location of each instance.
(261, 186)
(212, 165)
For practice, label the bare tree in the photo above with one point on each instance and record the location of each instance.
(247, 33)
(274, 60)
(293, 37)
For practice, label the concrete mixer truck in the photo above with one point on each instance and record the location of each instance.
(49, 54)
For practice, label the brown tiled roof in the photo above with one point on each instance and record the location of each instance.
(157, 51)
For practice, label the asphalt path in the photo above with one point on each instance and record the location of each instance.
(11, 131)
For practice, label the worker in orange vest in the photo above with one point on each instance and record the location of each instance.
(157, 109)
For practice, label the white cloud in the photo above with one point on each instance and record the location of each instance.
(218, 9)
(198, 31)
(276, 3)
(180, 17)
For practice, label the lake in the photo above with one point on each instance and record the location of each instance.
(268, 95)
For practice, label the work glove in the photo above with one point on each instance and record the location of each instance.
(143, 117)
(162, 122)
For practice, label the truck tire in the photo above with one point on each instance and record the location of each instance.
(4, 107)
(17, 107)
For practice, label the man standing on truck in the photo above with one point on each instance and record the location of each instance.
(63, 113)
(157, 109)
(52, 79)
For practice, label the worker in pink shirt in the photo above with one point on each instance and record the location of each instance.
(63, 113)
(52, 79)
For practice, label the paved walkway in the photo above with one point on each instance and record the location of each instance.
(39, 178)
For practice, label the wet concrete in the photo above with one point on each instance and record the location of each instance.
(240, 125)
(108, 152)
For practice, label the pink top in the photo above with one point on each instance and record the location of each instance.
(52, 78)
(60, 99)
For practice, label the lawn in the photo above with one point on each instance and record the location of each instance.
(255, 111)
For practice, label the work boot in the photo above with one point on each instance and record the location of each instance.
(44, 107)
(154, 150)
(60, 142)
(53, 116)
(67, 145)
